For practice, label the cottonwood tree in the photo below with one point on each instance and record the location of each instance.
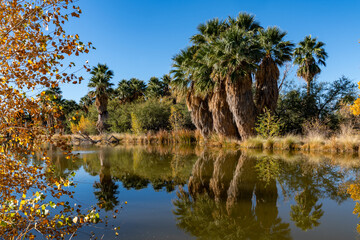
(33, 46)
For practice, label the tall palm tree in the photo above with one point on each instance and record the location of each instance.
(309, 55)
(205, 83)
(206, 98)
(184, 85)
(276, 52)
(231, 57)
(235, 57)
(100, 81)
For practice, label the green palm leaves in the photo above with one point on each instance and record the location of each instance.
(309, 55)
(220, 65)
(100, 80)
(132, 90)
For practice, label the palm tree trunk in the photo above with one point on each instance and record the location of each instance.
(101, 104)
(267, 91)
(223, 119)
(223, 173)
(308, 88)
(201, 174)
(241, 104)
(242, 185)
(200, 113)
(101, 122)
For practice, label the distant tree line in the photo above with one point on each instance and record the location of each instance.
(221, 84)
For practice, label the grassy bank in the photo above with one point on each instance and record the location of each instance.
(161, 137)
(316, 143)
(348, 142)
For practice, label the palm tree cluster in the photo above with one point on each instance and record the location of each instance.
(127, 91)
(229, 74)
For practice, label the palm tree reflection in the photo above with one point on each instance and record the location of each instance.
(219, 203)
(233, 195)
(106, 189)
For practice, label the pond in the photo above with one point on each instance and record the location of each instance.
(192, 193)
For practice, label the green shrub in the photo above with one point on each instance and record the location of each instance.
(268, 125)
(153, 115)
(120, 116)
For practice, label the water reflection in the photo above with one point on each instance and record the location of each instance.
(106, 188)
(233, 195)
(223, 194)
(219, 203)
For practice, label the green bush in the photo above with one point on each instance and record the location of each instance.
(120, 116)
(268, 125)
(180, 117)
(153, 115)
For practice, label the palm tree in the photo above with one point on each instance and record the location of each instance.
(276, 53)
(309, 56)
(137, 88)
(132, 90)
(155, 88)
(50, 98)
(166, 79)
(216, 73)
(205, 83)
(235, 57)
(100, 81)
(184, 85)
(123, 91)
(205, 99)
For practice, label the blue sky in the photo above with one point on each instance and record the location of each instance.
(138, 38)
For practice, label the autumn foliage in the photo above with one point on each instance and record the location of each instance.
(34, 46)
(355, 108)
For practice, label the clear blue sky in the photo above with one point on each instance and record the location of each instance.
(138, 38)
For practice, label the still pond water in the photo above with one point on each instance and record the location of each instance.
(187, 193)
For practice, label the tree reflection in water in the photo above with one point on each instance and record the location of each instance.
(106, 189)
(234, 195)
(230, 194)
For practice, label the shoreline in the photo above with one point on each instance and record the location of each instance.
(290, 143)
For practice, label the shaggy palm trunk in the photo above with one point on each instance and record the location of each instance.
(201, 174)
(101, 105)
(223, 119)
(267, 91)
(223, 173)
(241, 104)
(242, 186)
(200, 113)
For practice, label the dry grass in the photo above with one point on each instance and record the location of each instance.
(347, 140)
(161, 137)
(253, 143)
